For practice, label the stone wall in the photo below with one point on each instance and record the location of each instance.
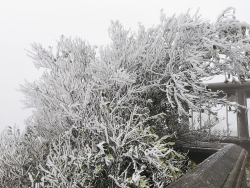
(224, 168)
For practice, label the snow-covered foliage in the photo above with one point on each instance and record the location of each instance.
(112, 120)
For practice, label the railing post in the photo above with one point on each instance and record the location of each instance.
(242, 122)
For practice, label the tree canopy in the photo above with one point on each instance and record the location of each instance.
(111, 119)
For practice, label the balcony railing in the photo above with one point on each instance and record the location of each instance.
(235, 92)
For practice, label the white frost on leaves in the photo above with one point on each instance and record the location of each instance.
(95, 116)
(121, 76)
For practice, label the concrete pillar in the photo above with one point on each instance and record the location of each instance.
(242, 122)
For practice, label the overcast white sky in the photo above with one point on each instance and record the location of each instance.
(23, 22)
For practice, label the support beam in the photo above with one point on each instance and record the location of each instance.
(242, 121)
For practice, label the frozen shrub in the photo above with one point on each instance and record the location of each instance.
(112, 119)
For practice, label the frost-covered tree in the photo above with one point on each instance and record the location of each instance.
(112, 119)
